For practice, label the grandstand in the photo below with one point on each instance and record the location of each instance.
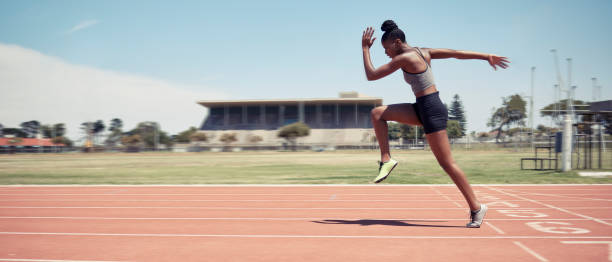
(343, 121)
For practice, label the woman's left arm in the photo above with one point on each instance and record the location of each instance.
(494, 60)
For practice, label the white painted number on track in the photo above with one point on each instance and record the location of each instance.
(522, 213)
(541, 226)
(501, 203)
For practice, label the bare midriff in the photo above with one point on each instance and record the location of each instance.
(430, 90)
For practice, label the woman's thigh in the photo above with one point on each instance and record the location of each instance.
(440, 146)
(403, 113)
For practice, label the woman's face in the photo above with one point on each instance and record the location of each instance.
(392, 47)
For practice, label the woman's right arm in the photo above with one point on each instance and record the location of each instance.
(494, 60)
(371, 72)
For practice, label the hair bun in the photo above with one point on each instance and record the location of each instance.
(388, 26)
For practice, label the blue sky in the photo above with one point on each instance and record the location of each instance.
(305, 49)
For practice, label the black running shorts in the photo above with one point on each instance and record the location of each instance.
(431, 112)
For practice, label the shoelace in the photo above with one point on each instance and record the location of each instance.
(380, 164)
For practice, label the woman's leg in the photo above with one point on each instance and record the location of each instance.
(403, 113)
(438, 141)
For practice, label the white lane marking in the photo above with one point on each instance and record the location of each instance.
(553, 207)
(297, 236)
(50, 260)
(249, 200)
(609, 243)
(308, 185)
(445, 196)
(279, 218)
(265, 208)
(259, 194)
(495, 228)
(226, 194)
(557, 195)
(531, 252)
(556, 229)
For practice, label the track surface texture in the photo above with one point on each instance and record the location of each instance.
(304, 223)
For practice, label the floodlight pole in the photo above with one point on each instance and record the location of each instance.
(531, 120)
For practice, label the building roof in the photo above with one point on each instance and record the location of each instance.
(345, 98)
(4, 141)
(601, 106)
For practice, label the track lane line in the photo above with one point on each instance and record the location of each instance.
(52, 260)
(300, 236)
(445, 196)
(285, 218)
(531, 252)
(273, 208)
(495, 228)
(551, 206)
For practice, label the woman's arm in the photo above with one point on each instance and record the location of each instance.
(371, 72)
(494, 60)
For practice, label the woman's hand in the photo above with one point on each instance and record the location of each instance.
(366, 39)
(495, 60)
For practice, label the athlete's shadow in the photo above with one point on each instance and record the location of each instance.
(371, 222)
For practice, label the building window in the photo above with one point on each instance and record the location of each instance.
(271, 117)
(235, 115)
(291, 114)
(310, 115)
(253, 115)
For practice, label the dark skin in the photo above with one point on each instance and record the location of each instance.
(406, 57)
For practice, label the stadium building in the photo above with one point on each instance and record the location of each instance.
(334, 122)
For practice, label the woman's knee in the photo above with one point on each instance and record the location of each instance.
(447, 165)
(377, 112)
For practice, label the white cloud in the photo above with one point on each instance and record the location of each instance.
(34, 86)
(82, 25)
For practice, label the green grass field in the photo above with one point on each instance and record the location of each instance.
(339, 167)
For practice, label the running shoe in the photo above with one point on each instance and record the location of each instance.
(385, 169)
(477, 217)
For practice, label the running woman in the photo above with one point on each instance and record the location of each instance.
(428, 111)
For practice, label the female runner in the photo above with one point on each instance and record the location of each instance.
(428, 111)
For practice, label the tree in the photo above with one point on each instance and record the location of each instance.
(87, 128)
(60, 129)
(16, 132)
(561, 106)
(116, 124)
(255, 139)
(98, 127)
(47, 131)
(453, 129)
(115, 136)
(294, 131)
(394, 130)
(409, 132)
(132, 142)
(152, 135)
(185, 136)
(62, 140)
(51, 131)
(30, 128)
(198, 137)
(227, 139)
(511, 112)
(456, 112)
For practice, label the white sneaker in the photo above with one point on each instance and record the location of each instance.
(477, 217)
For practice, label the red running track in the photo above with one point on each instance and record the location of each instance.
(303, 223)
